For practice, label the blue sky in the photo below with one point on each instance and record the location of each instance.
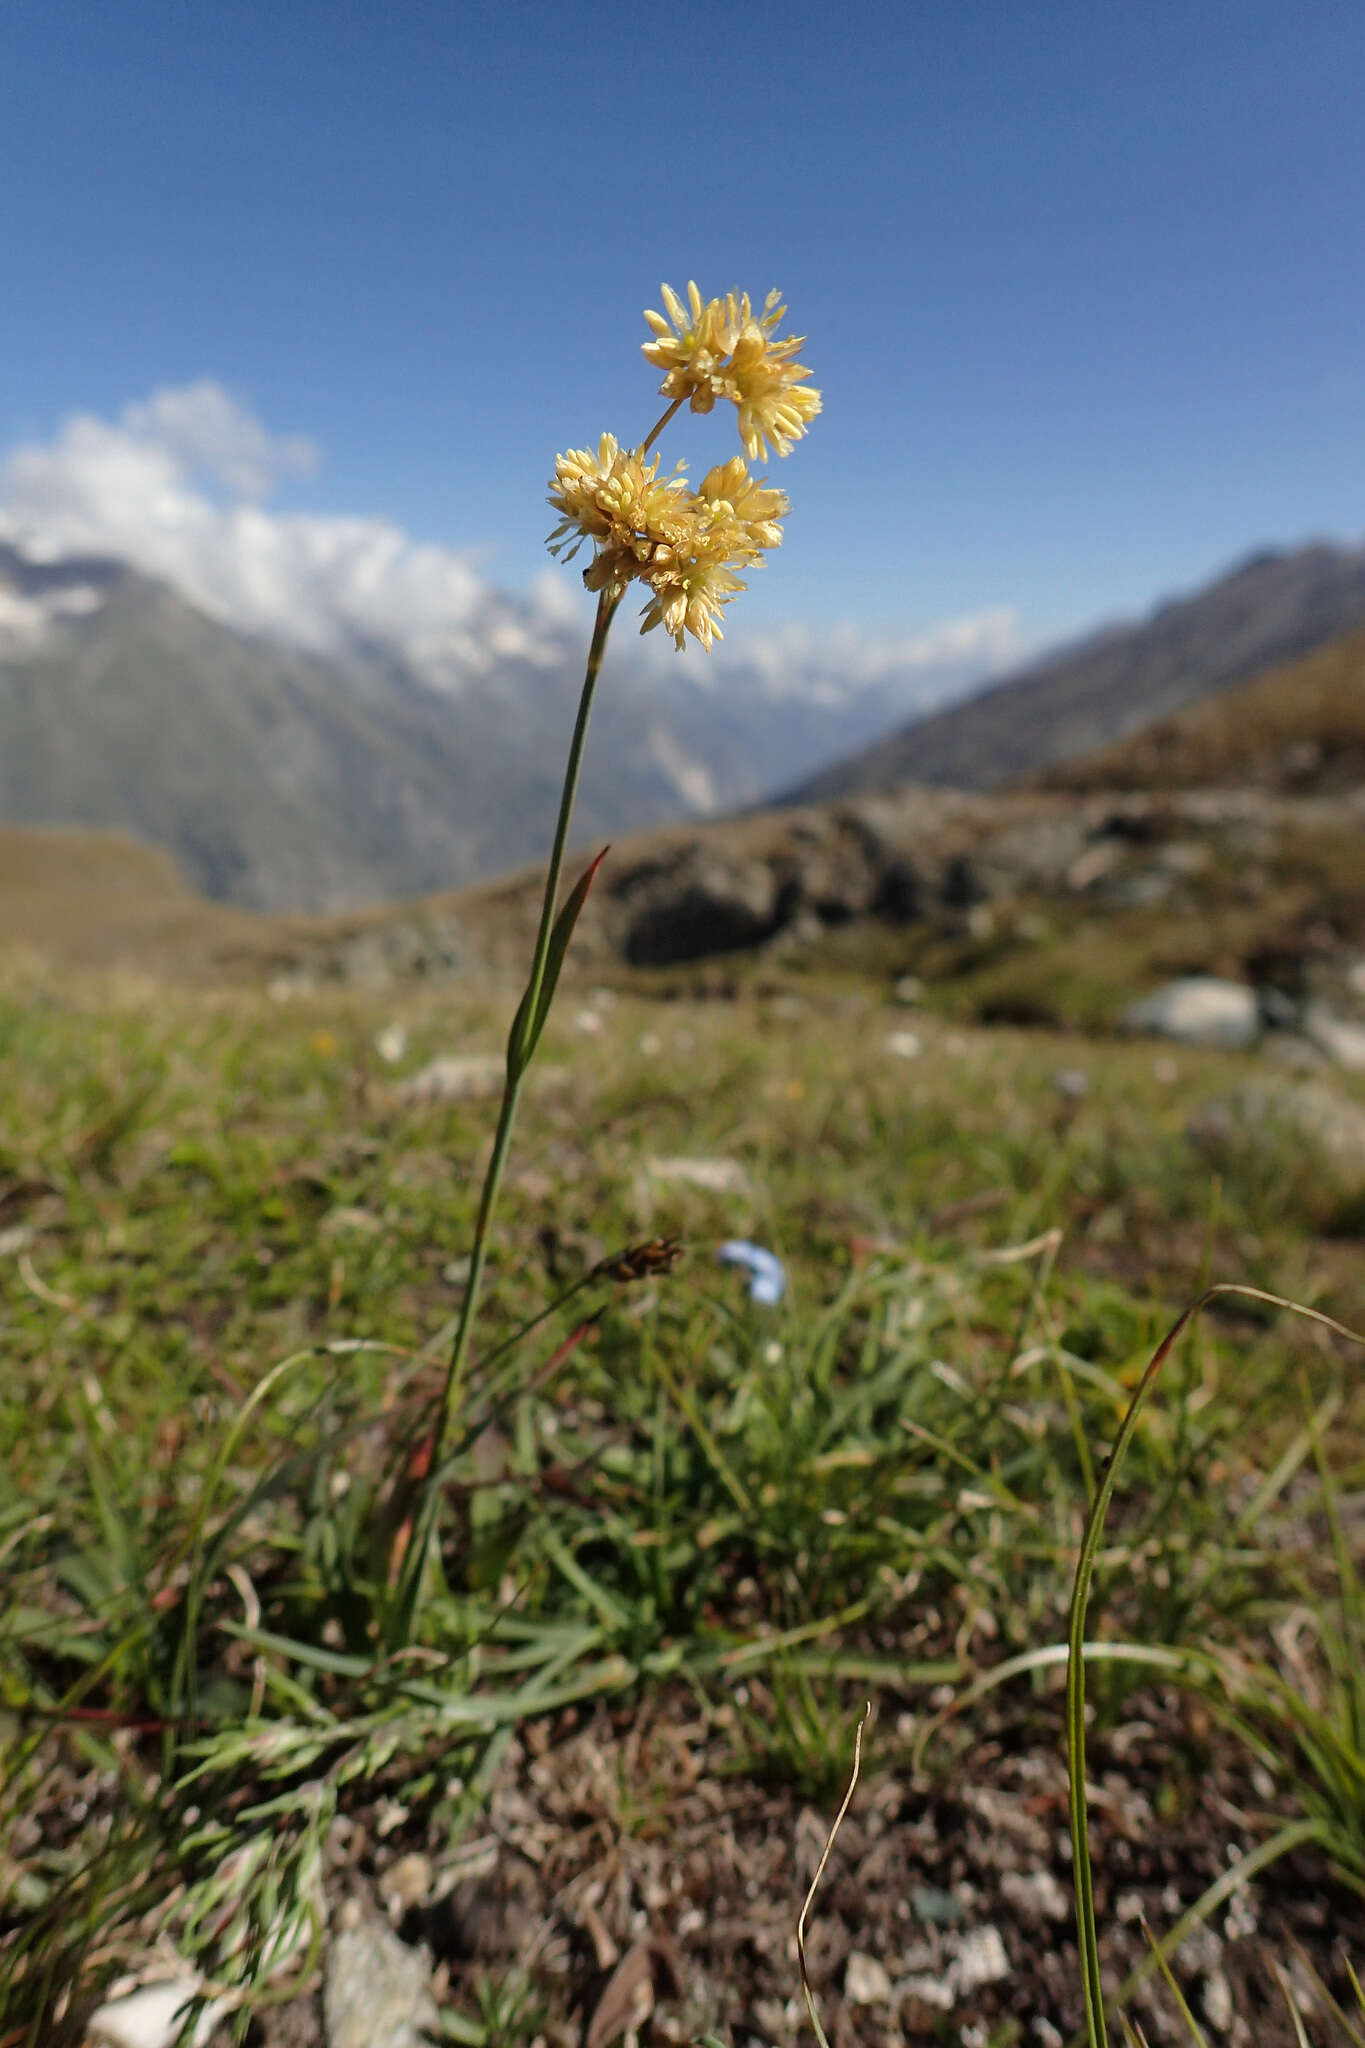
(1083, 284)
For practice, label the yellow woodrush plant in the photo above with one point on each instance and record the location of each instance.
(688, 549)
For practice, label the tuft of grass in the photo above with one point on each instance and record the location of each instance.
(878, 1486)
(1331, 1763)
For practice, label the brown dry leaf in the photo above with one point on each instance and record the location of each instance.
(628, 2000)
(603, 1947)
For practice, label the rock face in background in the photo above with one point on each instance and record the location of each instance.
(1027, 908)
(1269, 610)
(938, 860)
(790, 877)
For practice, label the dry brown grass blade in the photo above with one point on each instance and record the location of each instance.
(847, 1801)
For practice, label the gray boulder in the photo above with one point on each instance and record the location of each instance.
(1341, 1040)
(1200, 1009)
(1313, 1117)
(696, 902)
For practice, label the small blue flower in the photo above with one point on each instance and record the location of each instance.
(767, 1274)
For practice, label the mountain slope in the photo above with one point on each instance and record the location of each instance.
(260, 770)
(287, 779)
(1267, 610)
(1298, 730)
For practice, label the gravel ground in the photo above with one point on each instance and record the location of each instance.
(626, 1881)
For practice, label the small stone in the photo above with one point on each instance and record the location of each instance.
(147, 2018)
(904, 1045)
(405, 1884)
(376, 1990)
(935, 1992)
(344, 1221)
(715, 1176)
(466, 1077)
(1279, 1012)
(1342, 1041)
(1094, 865)
(980, 1959)
(1036, 1894)
(908, 990)
(1184, 857)
(1200, 1009)
(866, 1981)
(936, 1908)
(391, 1043)
(1071, 1083)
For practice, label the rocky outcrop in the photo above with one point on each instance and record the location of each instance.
(786, 879)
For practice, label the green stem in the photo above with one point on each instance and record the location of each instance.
(1082, 1874)
(658, 428)
(424, 1521)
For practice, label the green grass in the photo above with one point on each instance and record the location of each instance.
(228, 1295)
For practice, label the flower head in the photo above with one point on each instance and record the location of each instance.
(689, 597)
(685, 546)
(619, 501)
(733, 521)
(721, 349)
(742, 510)
(690, 547)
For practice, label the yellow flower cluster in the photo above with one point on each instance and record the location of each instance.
(684, 546)
(720, 349)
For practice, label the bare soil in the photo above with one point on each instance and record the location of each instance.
(624, 1881)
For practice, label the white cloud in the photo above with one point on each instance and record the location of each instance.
(174, 487)
(804, 660)
(214, 435)
(178, 486)
(24, 619)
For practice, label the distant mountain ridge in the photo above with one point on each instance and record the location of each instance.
(288, 779)
(1294, 730)
(284, 778)
(1270, 608)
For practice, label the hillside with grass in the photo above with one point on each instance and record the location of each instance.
(1269, 610)
(1298, 730)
